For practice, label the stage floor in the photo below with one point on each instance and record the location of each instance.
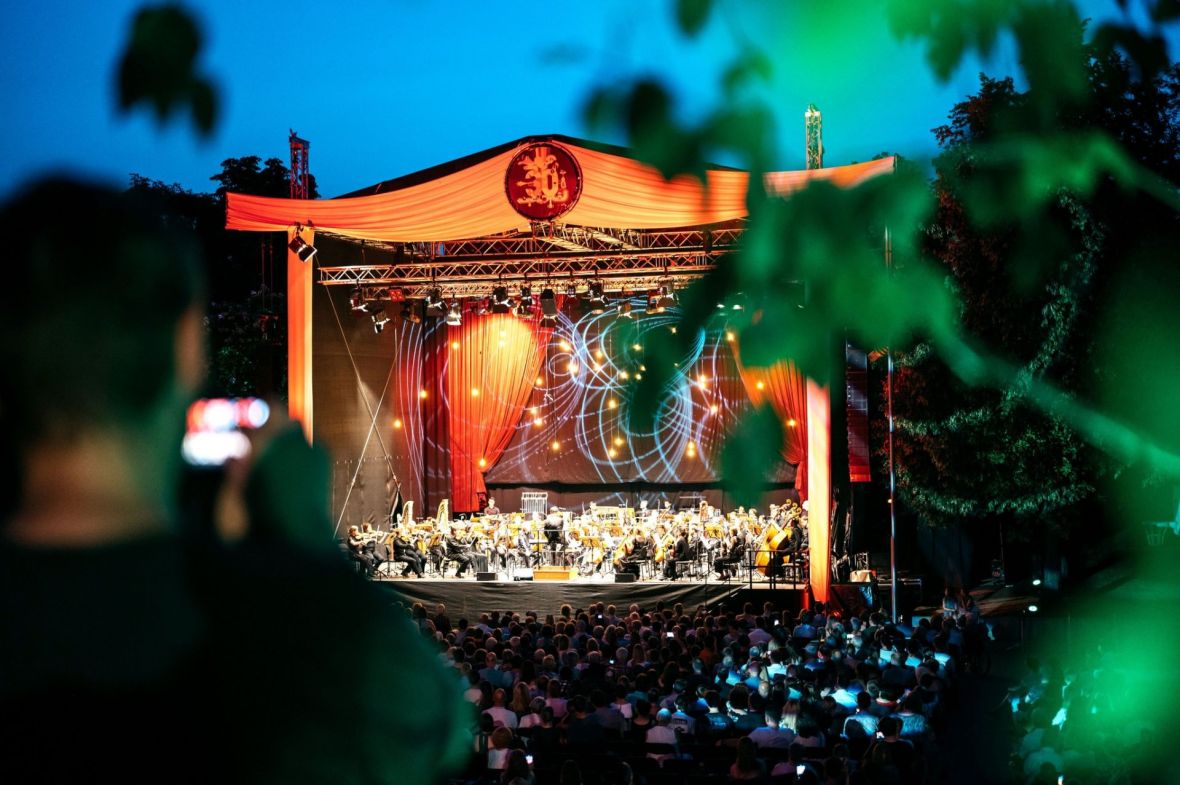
(467, 597)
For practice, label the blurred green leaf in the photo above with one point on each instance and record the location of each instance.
(751, 65)
(750, 454)
(1165, 10)
(951, 29)
(158, 67)
(1149, 53)
(691, 15)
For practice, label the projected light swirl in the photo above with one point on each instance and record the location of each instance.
(580, 410)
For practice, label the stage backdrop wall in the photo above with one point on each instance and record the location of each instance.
(501, 401)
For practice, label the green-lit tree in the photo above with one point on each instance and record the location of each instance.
(966, 452)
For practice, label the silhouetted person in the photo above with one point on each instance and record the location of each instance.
(126, 653)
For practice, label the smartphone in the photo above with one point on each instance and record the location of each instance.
(215, 429)
(1060, 779)
(528, 759)
(671, 635)
(801, 768)
(777, 622)
(880, 735)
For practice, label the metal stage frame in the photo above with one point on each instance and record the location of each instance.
(548, 254)
(467, 598)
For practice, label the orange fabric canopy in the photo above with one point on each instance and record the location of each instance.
(617, 193)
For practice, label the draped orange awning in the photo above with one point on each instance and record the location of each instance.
(470, 201)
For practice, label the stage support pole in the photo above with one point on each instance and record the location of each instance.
(819, 487)
(299, 291)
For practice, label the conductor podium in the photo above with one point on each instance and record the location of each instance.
(554, 573)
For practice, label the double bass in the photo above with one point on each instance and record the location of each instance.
(768, 546)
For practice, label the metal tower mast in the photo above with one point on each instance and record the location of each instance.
(300, 149)
(813, 123)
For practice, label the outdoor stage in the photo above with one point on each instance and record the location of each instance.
(477, 329)
(467, 597)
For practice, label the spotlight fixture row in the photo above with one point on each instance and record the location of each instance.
(525, 303)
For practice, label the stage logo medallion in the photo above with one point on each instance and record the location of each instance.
(543, 182)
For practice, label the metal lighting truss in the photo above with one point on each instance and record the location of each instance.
(548, 255)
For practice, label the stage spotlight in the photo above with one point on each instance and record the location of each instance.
(548, 306)
(356, 299)
(410, 313)
(455, 314)
(596, 298)
(500, 301)
(434, 303)
(301, 249)
(526, 297)
(625, 309)
(571, 289)
(379, 319)
(666, 298)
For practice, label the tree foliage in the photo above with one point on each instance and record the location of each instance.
(246, 316)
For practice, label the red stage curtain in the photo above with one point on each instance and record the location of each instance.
(492, 364)
(785, 388)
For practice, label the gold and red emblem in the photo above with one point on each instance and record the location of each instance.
(543, 182)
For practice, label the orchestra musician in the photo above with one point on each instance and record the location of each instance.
(437, 549)
(553, 527)
(597, 537)
(359, 551)
(404, 551)
(680, 552)
(731, 555)
(374, 543)
(502, 544)
(459, 552)
(642, 547)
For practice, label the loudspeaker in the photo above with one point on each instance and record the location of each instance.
(625, 577)
(851, 598)
(485, 576)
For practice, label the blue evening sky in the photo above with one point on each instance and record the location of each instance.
(386, 88)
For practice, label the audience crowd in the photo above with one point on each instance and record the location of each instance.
(669, 694)
(1066, 727)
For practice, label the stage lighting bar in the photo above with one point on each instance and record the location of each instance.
(596, 298)
(376, 312)
(667, 297)
(476, 289)
(455, 314)
(411, 313)
(500, 300)
(434, 303)
(548, 306)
